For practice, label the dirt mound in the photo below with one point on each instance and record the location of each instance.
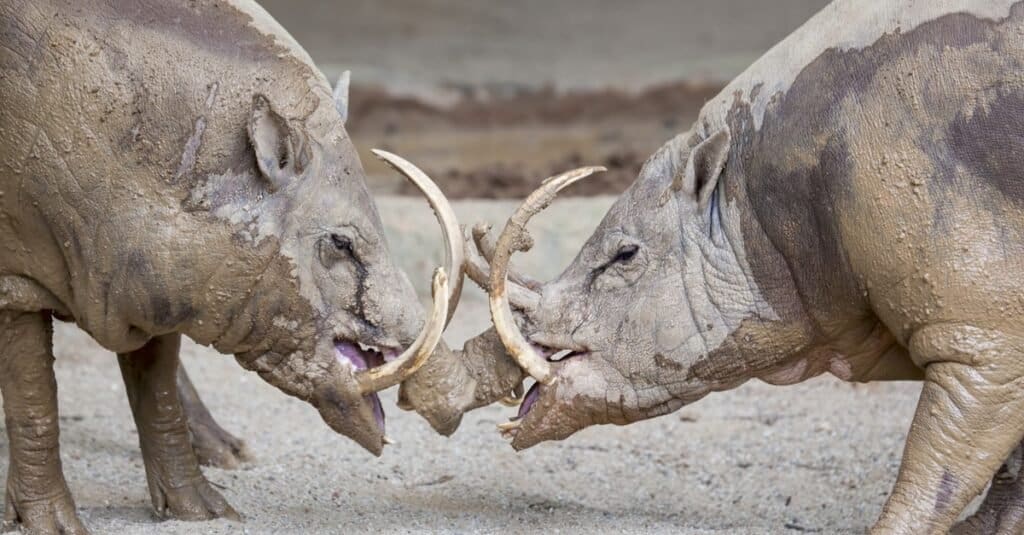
(499, 142)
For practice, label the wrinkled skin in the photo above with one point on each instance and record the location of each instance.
(197, 180)
(858, 212)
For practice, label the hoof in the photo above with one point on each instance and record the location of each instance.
(43, 517)
(198, 501)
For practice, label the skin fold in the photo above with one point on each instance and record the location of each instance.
(852, 204)
(190, 178)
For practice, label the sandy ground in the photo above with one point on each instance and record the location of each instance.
(817, 457)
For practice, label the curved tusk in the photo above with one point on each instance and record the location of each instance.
(394, 372)
(514, 237)
(454, 251)
(481, 233)
(480, 273)
(515, 398)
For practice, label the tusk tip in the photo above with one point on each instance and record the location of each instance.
(508, 426)
(576, 174)
(580, 174)
(511, 401)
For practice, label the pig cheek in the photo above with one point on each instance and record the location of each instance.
(673, 325)
(635, 339)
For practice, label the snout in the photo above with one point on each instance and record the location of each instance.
(585, 391)
(342, 404)
(353, 415)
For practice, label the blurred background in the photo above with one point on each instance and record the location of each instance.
(490, 97)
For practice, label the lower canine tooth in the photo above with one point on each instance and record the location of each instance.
(508, 426)
(389, 441)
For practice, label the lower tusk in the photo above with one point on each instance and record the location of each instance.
(398, 370)
(511, 400)
(514, 398)
(515, 238)
(388, 440)
(510, 429)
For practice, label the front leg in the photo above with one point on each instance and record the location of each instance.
(1003, 508)
(968, 420)
(176, 485)
(37, 495)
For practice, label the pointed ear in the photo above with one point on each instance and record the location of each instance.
(703, 167)
(281, 150)
(341, 95)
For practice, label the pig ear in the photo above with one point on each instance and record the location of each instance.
(703, 167)
(281, 151)
(341, 95)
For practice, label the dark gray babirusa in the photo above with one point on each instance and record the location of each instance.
(181, 168)
(851, 204)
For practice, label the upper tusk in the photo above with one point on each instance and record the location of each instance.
(398, 370)
(479, 272)
(515, 238)
(481, 233)
(454, 247)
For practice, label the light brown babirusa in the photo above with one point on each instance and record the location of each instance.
(174, 169)
(852, 204)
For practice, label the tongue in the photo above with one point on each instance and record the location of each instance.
(531, 397)
(378, 409)
(352, 354)
(363, 360)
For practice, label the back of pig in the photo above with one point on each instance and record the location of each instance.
(114, 111)
(883, 143)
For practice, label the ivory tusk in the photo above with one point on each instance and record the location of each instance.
(396, 371)
(515, 238)
(454, 248)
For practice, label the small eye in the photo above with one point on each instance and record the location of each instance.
(626, 254)
(341, 243)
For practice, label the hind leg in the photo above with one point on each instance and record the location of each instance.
(37, 495)
(176, 485)
(213, 445)
(1003, 508)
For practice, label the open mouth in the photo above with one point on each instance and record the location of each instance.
(363, 357)
(511, 428)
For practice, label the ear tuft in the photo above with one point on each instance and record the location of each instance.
(281, 151)
(703, 167)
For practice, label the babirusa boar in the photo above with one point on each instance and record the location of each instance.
(181, 168)
(851, 204)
